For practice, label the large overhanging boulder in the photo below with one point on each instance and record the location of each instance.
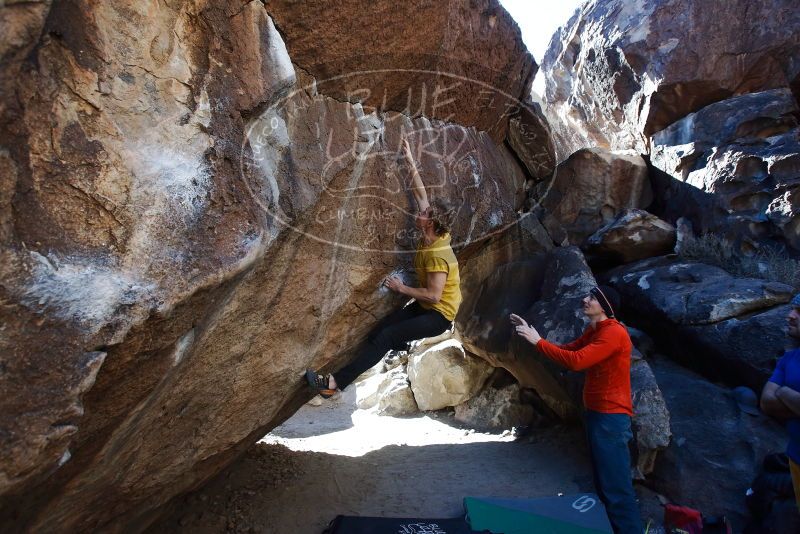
(620, 71)
(188, 222)
(460, 62)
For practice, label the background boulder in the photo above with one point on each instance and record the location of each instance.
(620, 71)
(728, 328)
(495, 408)
(444, 375)
(591, 187)
(716, 448)
(633, 235)
(742, 153)
(651, 425)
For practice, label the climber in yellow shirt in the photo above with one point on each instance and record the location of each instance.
(436, 300)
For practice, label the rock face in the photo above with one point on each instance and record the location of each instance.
(187, 222)
(388, 393)
(495, 409)
(394, 394)
(743, 153)
(444, 375)
(633, 235)
(716, 448)
(546, 289)
(591, 187)
(466, 63)
(620, 71)
(651, 422)
(485, 329)
(530, 139)
(729, 328)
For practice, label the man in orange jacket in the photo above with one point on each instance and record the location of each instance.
(604, 352)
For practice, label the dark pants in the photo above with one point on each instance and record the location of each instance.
(609, 434)
(393, 333)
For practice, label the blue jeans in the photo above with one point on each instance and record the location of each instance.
(608, 435)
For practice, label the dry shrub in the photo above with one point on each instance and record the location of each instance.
(767, 263)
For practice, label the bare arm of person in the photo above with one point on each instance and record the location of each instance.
(530, 334)
(417, 187)
(430, 294)
(772, 405)
(790, 398)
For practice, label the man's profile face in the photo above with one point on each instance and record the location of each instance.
(591, 306)
(793, 322)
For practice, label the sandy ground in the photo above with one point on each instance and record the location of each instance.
(333, 459)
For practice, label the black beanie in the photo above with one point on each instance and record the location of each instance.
(608, 299)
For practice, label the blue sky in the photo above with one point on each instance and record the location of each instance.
(538, 20)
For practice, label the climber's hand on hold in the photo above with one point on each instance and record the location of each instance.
(527, 332)
(516, 320)
(394, 283)
(407, 149)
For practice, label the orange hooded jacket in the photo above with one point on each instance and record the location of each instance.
(604, 352)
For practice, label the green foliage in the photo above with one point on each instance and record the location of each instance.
(767, 263)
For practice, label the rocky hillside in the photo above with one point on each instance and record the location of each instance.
(676, 126)
(707, 90)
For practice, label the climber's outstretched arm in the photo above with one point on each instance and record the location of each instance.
(417, 187)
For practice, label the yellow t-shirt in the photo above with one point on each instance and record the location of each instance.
(438, 257)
